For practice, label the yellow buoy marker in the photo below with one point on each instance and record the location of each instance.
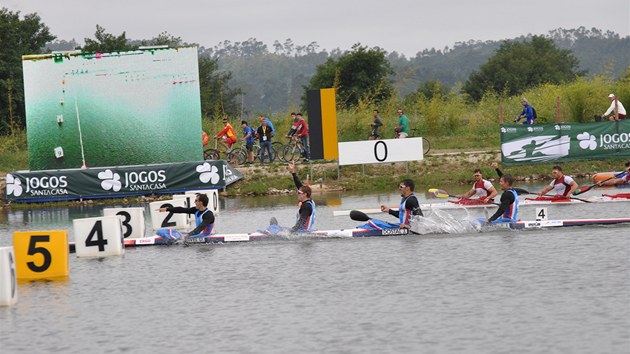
(8, 277)
(213, 198)
(167, 220)
(41, 254)
(98, 237)
(132, 220)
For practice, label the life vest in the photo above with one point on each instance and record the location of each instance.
(199, 219)
(311, 218)
(404, 214)
(512, 211)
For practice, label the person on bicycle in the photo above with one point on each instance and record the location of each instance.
(377, 123)
(228, 134)
(528, 113)
(402, 129)
(300, 129)
(264, 135)
(248, 135)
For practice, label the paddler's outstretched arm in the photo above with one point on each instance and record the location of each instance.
(507, 198)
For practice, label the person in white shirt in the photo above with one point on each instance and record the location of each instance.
(482, 189)
(562, 185)
(615, 105)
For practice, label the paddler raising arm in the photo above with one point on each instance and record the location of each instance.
(408, 205)
(306, 212)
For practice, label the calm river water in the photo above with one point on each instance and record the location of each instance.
(552, 291)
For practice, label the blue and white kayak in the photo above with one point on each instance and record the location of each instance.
(345, 233)
(262, 236)
(564, 223)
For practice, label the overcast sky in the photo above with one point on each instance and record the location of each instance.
(395, 25)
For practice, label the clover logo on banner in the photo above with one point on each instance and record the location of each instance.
(208, 173)
(587, 141)
(14, 185)
(110, 180)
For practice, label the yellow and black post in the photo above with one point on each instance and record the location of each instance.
(322, 124)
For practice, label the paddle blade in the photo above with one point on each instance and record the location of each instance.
(583, 189)
(358, 215)
(521, 191)
(438, 193)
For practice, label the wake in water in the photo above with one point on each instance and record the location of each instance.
(438, 221)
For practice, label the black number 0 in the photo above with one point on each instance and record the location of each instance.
(376, 151)
(32, 250)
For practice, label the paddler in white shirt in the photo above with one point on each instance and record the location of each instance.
(482, 189)
(563, 186)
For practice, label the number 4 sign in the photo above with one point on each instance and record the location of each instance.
(98, 237)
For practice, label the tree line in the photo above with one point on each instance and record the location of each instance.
(246, 78)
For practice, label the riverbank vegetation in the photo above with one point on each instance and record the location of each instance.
(458, 107)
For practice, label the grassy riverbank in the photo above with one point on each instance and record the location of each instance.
(437, 170)
(440, 168)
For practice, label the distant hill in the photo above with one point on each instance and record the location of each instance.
(273, 78)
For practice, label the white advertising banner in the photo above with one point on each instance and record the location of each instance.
(380, 151)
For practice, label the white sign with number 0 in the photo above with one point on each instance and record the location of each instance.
(380, 151)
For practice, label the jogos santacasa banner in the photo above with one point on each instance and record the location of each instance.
(542, 143)
(112, 182)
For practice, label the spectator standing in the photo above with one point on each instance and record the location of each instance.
(264, 135)
(248, 134)
(269, 124)
(615, 107)
(377, 123)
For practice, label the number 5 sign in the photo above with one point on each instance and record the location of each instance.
(41, 254)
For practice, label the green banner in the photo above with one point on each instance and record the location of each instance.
(114, 182)
(540, 143)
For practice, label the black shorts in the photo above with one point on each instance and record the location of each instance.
(249, 146)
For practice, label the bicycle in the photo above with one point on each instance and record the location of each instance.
(293, 150)
(426, 144)
(234, 156)
(256, 151)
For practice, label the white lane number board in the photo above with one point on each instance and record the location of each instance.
(98, 237)
(132, 220)
(168, 220)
